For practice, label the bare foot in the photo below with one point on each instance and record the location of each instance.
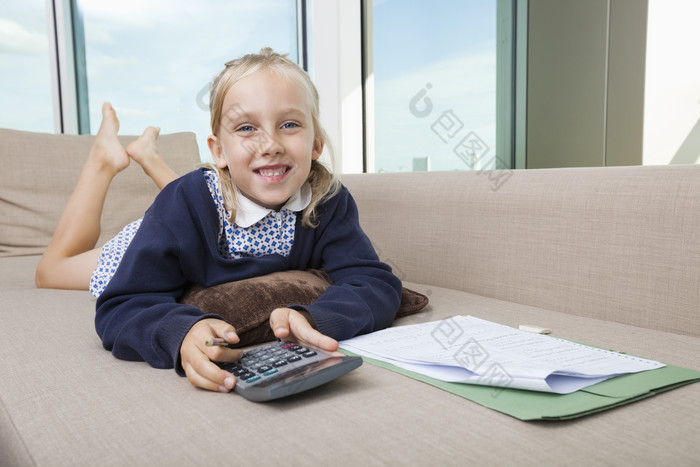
(106, 151)
(143, 150)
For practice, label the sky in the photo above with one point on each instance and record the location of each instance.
(153, 60)
(447, 49)
(25, 68)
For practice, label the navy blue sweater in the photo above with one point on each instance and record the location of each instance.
(138, 316)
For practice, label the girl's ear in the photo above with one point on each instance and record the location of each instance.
(217, 152)
(317, 149)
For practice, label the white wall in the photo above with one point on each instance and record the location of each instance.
(336, 69)
(672, 93)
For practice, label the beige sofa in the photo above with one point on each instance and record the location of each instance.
(605, 256)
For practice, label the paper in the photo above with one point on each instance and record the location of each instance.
(470, 350)
(532, 405)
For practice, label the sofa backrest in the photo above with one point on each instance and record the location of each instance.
(39, 171)
(615, 243)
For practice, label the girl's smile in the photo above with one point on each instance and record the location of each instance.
(274, 173)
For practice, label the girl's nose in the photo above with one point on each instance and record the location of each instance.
(270, 145)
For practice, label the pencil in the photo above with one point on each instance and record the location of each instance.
(220, 341)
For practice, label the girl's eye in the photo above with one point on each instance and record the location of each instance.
(288, 125)
(245, 128)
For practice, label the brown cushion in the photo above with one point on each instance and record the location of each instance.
(40, 170)
(247, 304)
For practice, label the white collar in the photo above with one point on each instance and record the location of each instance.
(249, 212)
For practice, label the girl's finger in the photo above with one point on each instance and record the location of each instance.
(289, 323)
(204, 374)
(222, 353)
(225, 330)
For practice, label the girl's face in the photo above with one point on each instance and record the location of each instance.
(266, 138)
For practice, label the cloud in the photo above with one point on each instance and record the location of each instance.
(15, 39)
(151, 14)
(99, 35)
(127, 113)
(135, 13)
(158, 90)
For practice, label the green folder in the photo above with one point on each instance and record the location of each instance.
(532, 405)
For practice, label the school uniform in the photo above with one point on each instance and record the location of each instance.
(185, 237)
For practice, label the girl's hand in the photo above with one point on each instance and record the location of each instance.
(289, 324)
(197, 357)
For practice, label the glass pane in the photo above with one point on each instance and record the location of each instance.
(154, 60)
(434, 71)
(25, 66)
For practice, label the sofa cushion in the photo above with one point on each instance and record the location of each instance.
(247, 304)
(40, 170)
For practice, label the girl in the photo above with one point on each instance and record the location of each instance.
(267, 205)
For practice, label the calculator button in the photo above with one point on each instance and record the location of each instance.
(252, 379)
(294, 358)
(301, 350)
(270, 372)
(308, 354)
(263, 368)
(279, 363)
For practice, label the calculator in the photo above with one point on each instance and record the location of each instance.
(274, 370)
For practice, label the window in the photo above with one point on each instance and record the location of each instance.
(436, 75)
(434, 85)
(25, 67)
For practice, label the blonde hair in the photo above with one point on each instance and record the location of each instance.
(324, 185)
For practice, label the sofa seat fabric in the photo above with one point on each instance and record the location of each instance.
(66, 401)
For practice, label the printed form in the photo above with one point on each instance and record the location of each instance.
(465, 349)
